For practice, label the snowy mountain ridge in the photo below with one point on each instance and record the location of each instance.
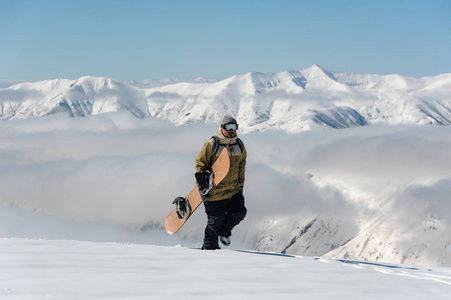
(292, 101)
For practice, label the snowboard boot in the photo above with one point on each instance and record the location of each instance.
(225, 240)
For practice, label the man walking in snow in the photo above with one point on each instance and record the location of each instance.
(225, 205)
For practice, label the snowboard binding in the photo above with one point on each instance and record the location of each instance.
(182, 207)
(205, 181)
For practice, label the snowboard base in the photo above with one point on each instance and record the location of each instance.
(220, 169)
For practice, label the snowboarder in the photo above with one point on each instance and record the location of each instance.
(224, 205)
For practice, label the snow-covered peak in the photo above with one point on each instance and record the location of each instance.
(319, 78)
(318, 71)
(93, 84)
(293, 81)
(79, 97)
(46, 86)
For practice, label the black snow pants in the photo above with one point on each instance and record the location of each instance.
(223, 216)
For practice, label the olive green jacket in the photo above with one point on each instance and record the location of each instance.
(234, 180)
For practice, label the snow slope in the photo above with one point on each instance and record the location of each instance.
(292, 101)
(42, 269)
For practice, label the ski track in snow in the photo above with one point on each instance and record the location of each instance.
(62, 269)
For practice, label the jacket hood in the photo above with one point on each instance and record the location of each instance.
(223, 139)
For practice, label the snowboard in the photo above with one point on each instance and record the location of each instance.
(220, 169)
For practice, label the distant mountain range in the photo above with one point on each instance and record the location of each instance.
(291, 101)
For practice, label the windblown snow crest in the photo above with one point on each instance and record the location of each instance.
(292, 101)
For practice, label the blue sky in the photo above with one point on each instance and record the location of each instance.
(216, 39)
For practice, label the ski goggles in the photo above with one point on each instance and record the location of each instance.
(231, 126)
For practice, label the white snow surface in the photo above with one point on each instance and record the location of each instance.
(55, 269)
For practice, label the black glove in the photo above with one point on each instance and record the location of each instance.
(205, 182)
(202, 179)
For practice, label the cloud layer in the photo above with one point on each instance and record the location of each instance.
(116, 169)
